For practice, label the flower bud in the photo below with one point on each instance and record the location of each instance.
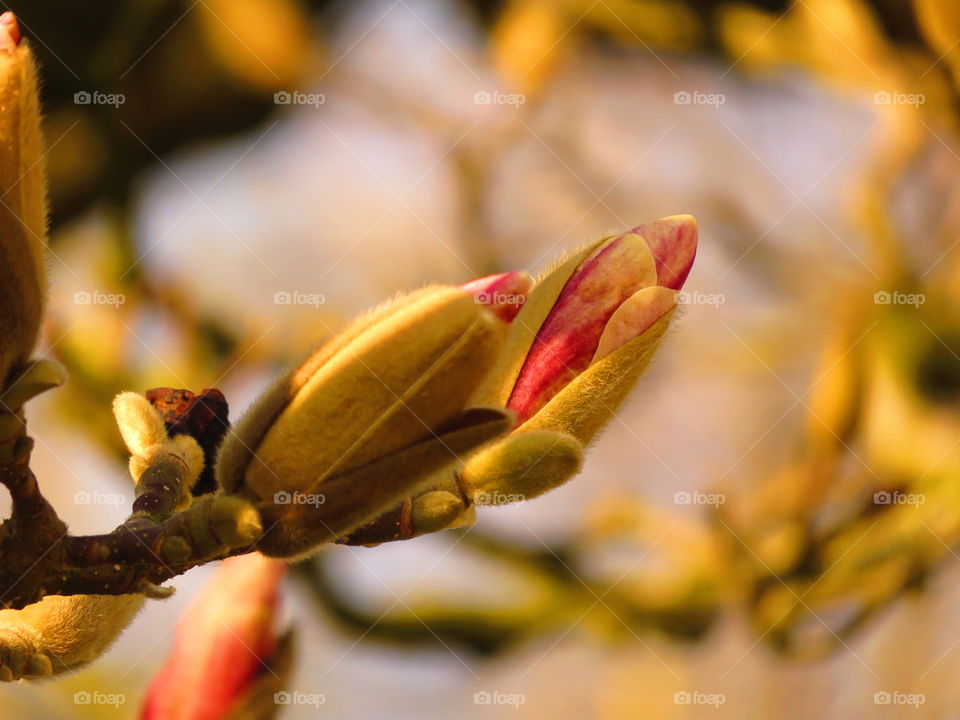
(23, 204)
(225, 646)
(366, 419)
(145, 435)
(575, 348)
(590, 304)
(522, 465)
(586, 333)
(437, 508)
(386, 384)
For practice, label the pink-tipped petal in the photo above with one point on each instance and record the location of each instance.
(673, 242)
(504, 293)
(222, 643)
(637, 315)
(568, 338)
(9, 31)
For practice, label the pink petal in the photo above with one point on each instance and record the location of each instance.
(568, 338)
(221, 643)
(673, 242)
(9, 31)
(504, 293)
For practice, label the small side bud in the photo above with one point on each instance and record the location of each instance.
(234, 521)
(217, 524)
(144, 433)
(141, 426)
(434, 511)
(521, 466)
(429, 512)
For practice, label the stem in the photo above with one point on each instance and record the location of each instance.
(39, 557)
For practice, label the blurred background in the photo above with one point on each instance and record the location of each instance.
(770, 527)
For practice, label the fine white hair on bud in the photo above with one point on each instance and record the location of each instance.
(145, 436)
(141, 425)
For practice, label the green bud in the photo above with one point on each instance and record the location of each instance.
(434, 511)
(222, 522)
(426, 513)
(521, 466)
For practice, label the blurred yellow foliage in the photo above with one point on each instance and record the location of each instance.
(262, 43)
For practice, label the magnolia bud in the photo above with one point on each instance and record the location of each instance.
(384, 386)
(23, 212)
(588, 330)
(522, 466)
(576, 345)
(366, 418)
(226, 649)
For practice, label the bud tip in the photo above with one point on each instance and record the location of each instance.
(673, 244)
(9, 31)
(504, 293)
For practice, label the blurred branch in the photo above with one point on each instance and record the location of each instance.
(484, 633)
(566, 591)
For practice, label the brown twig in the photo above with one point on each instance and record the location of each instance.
(41, 558)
